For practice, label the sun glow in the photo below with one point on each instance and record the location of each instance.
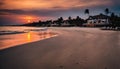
(29, 19)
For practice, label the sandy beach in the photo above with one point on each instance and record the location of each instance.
(73, 48)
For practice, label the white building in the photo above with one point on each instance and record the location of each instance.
(97, 20)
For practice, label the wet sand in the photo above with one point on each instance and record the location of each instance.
(73, 48)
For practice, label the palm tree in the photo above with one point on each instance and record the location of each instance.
(112, 14)
(87, 11)
(60, 21)
(69, 18)
(107, 11)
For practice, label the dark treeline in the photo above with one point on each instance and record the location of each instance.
(114, 21)
(60, 22)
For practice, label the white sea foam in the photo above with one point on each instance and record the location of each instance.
(6, 30)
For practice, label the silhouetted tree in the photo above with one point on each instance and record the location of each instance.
(113, 14)
(40, 23)
(107, 11)
(49, 22)
(79, 21)
(60, 21)
(112, 19)
(69, 18)
(78, 18)
(87, 11)
(115, 21)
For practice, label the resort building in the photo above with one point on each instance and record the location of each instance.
(97, 20)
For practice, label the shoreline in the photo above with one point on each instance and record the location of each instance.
(2, 49)
(9, 41)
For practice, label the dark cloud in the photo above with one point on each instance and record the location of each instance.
(57, 7)
(116, 2)
(2, 3)
(58, 10)
(11, 11)
(41, 12)
(8, 20)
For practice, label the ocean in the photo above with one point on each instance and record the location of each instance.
(11, 36)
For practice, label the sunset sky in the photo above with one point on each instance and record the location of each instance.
(24, 11)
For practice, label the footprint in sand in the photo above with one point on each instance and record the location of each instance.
(61, 67)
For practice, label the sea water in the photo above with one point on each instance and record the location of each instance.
(11, 36)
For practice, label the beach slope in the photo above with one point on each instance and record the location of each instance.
(73, 48)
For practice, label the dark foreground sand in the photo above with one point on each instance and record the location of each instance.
(74, 48)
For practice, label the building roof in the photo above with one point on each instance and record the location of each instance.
(100, 16)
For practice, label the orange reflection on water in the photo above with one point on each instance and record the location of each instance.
(29, 36)
(17, 39)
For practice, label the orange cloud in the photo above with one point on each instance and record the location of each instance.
(47, 4)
